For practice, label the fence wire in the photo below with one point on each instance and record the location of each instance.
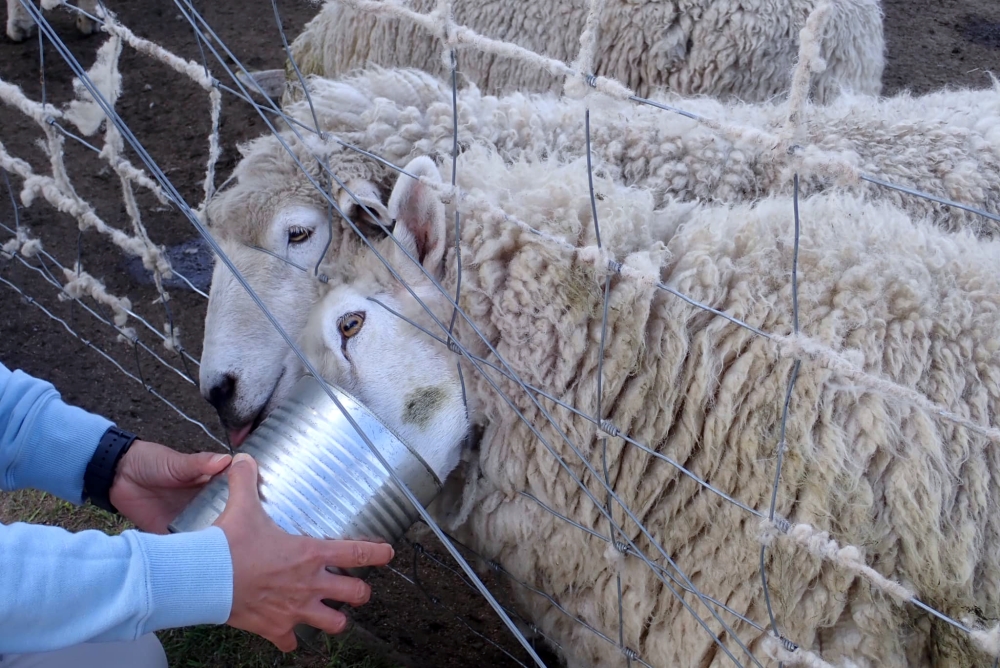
(441, 22)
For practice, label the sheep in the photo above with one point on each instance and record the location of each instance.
(900, 299)
(20, 25)
(945, 143)
(743, 50)
(271, 205)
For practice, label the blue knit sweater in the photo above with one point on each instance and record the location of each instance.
(59, 588)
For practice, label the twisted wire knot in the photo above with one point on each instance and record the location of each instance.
(453, 346)
(323, 278)
(621, 546)
(615, 266)
(630, 653)
(784, 526)
(591, 80)
(610, 429)
(495, 565)
(787, 644)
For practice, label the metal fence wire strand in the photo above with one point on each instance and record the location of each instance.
(669, 572)
(220, 254)
(542, 409)
(42, 270)
(598, 413)
(591, 80)
(436, 601)
(42, 253)
(167, 186)
(33, 302)
(426, 554)
(782, 444)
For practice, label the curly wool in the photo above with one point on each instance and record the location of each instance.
(917, 498)
(946, 144)
(743, 50)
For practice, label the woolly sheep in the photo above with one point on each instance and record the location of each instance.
(20, 25)
(945, 143)
(727, 49)
(900, 300)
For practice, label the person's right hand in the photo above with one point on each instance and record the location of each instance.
(280, 580)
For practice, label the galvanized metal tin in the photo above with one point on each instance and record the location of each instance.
(318, 478)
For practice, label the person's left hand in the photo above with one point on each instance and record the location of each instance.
(154, 483)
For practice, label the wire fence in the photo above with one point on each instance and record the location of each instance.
(726, 626)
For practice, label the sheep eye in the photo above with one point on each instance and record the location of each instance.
(351, 324)
(297, 235)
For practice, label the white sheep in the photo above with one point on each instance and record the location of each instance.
(947, 144)
(20, 25)
(901, 300)
(726, 49)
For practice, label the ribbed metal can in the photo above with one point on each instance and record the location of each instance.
(318, 478)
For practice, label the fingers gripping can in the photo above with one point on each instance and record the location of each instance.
(318, 477)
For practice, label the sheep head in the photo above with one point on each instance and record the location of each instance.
(357, 341)
(274, 226)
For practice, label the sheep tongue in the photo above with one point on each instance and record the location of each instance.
(237, 436)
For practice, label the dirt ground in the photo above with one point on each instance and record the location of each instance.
(931, 44)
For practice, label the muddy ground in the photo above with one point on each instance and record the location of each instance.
(931, 44)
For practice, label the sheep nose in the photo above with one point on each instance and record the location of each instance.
(220, 394)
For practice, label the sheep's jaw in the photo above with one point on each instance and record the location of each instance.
(237, 435)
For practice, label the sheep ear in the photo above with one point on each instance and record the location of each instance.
(419, 214)
(363, 205)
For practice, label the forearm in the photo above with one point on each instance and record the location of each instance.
(44, 443)
(59, 588)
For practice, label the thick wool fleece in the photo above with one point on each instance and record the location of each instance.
(743, 50)
(904, 301)
(946, 144)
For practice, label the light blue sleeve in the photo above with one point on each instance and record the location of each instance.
(59, 588)
(44, 443)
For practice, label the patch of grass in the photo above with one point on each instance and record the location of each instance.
(211, 646)
(196, 646)
(36, 507)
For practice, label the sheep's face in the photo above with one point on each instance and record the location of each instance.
(243, 366)
(403, 376)
(356, 340)
(275, 230)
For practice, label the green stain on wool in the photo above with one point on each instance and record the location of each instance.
(584, 296)
(422, 403)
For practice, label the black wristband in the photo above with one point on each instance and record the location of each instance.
(100, 473)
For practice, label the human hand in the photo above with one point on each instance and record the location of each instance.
(280, 580)
(154, 483)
